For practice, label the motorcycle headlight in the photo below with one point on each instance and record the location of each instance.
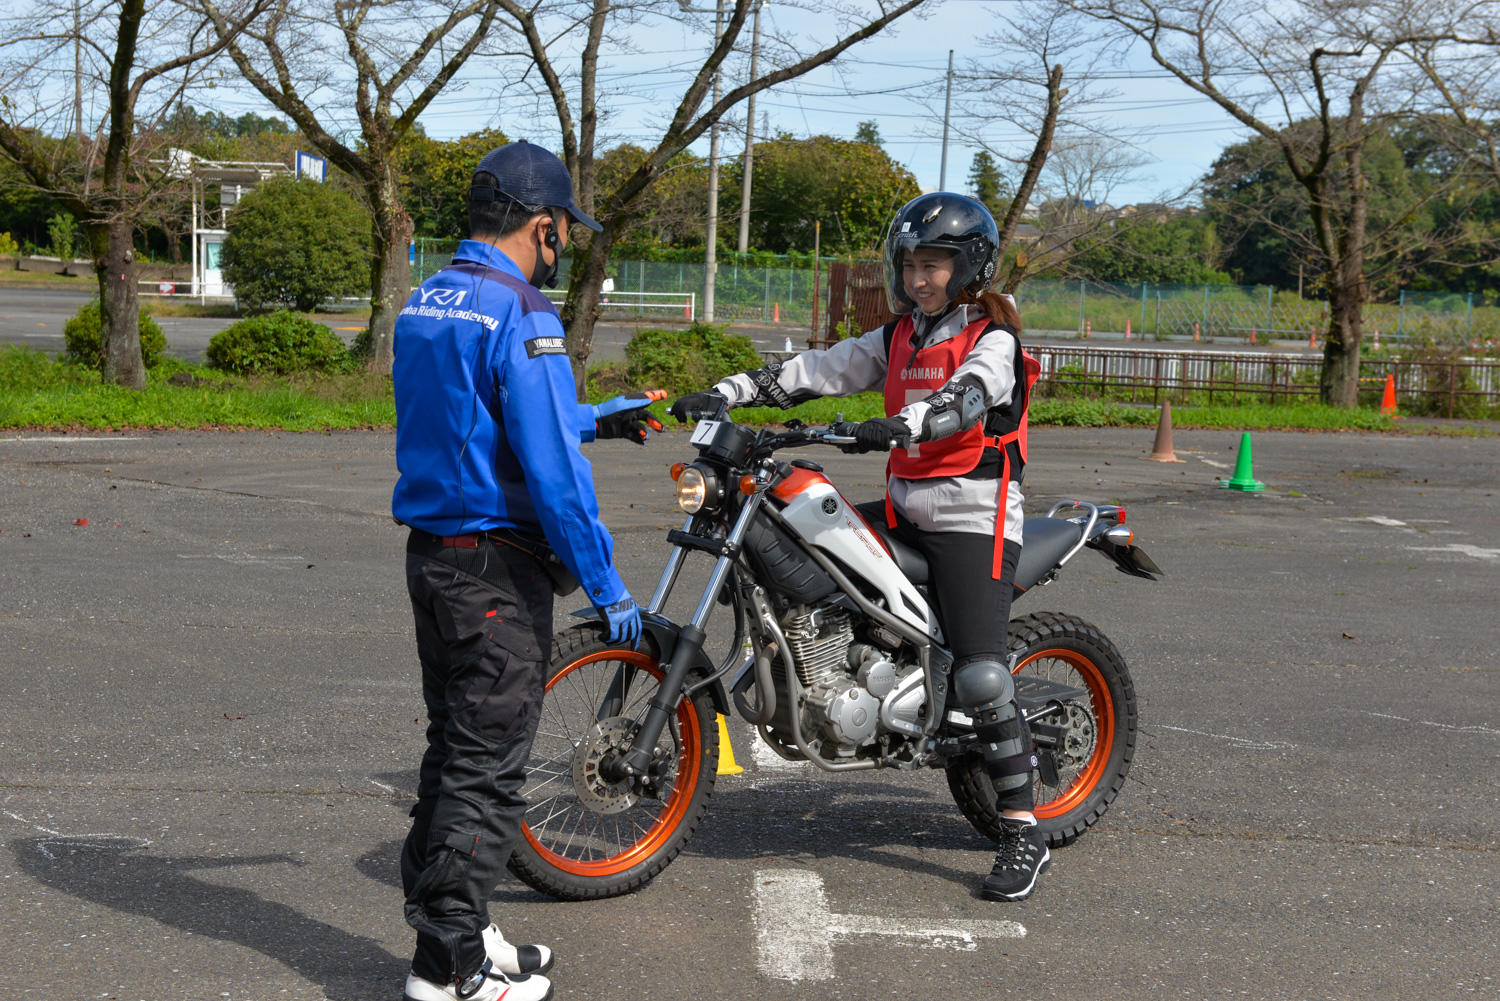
(697, 490)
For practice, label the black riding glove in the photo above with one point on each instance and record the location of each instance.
(695, 406)
(632, 425)
(878, 434)
(627, 417)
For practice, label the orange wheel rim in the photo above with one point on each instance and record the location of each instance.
(1102, 705)
(677, 804)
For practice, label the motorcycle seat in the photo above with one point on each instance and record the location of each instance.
(1044, 542)
(911, 562)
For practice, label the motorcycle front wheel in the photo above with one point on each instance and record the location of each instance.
(584, 836)
(1099, 730)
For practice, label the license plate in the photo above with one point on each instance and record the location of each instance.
(704, 432)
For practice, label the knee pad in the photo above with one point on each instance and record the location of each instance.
(982, 684)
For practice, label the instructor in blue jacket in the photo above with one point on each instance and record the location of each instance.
(501, 506)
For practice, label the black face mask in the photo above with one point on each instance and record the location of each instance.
(544, 275)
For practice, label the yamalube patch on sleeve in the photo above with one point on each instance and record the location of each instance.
(546, 346)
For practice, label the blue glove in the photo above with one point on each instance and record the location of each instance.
(624, 620)
(627, 417)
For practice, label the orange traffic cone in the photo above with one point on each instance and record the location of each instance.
(1252, 335)
(1161, 449)
(1195, 330)
(1088, 329)
(1388, 400)
(776, 313)
(687, 309)
(1312, 338)
(1127, 329)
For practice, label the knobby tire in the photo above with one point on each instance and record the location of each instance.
(583, 839)
(1066, 649)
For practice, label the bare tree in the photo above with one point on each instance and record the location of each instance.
(1067, 153)
(118, 66)
(1271, 66)
(1463, 73)
(384, 61)
(578, 105)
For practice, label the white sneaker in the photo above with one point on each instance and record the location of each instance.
(486, 985)
(513, 959)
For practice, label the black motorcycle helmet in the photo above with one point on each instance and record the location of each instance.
(946, 221)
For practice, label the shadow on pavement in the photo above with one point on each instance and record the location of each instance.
(124, 877)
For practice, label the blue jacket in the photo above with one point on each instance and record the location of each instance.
(487, 418)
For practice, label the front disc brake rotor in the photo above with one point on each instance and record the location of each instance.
(605, 738)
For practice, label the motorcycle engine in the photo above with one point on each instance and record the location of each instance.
(844, 681)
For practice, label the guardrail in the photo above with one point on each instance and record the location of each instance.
(639, 305)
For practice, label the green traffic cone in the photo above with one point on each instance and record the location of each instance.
(1243, 478)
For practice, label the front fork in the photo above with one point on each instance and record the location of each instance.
(689, 648)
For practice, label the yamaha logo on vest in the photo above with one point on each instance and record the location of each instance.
(914, 374)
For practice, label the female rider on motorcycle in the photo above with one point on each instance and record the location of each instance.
(956, 383)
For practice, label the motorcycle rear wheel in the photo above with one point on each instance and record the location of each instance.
(1101, 735)
(585, 837)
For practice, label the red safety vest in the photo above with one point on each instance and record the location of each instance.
(993, 448)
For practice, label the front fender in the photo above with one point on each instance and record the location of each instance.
(664, 633)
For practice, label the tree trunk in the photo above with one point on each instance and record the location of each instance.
(1339, 384)
(390, 274)
(581, 311)
(119, 304)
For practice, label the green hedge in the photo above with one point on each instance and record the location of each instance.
(83, 343)
(278, 343)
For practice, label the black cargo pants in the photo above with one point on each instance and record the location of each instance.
(483, 616)
(974, 609)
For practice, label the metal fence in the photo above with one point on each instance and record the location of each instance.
(741, 292)
(1206, 313)
(1248, 313)
(1454, 388)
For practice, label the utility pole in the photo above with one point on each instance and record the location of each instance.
(711, 254)
(947, 106)
(77, 74)
(744, 241)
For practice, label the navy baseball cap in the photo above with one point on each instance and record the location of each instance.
(532, 176)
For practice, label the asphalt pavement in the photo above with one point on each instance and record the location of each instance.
(212, 722)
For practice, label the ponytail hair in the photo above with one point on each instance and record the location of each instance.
(998, 307)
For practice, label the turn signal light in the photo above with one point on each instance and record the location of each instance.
(677, 468)
(747, 485)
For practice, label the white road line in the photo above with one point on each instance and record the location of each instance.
(768, 760)
(1452, 728)
(1242, 743)
(1460, 549)
(1382, 520)
(61, 840)
(795, 932)
(72, 438)
(244, 559)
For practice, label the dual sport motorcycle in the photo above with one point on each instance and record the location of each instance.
(837, 659)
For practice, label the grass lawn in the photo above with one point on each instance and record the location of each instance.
(38, 392)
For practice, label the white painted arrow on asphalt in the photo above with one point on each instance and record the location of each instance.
(795, 932)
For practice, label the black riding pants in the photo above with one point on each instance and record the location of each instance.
(483, 618)
(974, 609)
